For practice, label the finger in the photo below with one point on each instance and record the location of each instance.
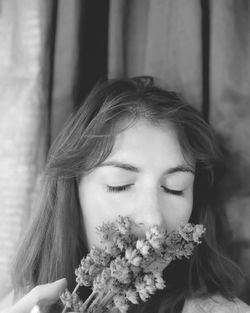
(35, 309)
(42, 294)
(49, 293)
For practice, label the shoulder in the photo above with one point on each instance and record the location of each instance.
(215, 304)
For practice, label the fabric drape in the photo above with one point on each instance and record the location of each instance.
(23, 119)
(52, 53)
(159, 38)
(202, 50)
(230, 114)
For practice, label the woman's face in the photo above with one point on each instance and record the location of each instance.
(145, 178)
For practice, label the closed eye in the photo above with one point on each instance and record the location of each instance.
(118, 188)
(172, 191)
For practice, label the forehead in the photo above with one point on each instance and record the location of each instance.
(143, 140)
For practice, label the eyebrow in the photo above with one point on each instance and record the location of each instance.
(180, 168)
(131, 168)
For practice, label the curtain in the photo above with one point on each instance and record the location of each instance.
(159, 38)
(230, 115)
(202, 50)
(23, 120)
(52, 53)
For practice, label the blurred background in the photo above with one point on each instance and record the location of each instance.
(51, 54)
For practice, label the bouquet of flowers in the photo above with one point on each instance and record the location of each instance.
(128, 269)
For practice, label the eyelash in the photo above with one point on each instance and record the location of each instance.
(126, 187)
(173, 192)
(118, 188)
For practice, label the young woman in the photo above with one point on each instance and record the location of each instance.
(130, 149)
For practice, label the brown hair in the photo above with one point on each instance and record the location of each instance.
(54, 243)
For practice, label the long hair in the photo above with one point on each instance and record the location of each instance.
(54, 243)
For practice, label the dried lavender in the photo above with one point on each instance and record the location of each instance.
(128, 269)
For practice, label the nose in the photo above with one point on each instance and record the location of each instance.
(148, 210)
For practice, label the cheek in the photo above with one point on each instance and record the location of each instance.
(98, 206)
(92, 210)
(178, 212)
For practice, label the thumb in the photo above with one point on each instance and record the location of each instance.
(42, 295)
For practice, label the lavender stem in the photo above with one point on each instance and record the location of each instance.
(89, 299)
(93, 303)
(74, 291)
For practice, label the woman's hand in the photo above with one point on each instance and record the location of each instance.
(41, 295)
